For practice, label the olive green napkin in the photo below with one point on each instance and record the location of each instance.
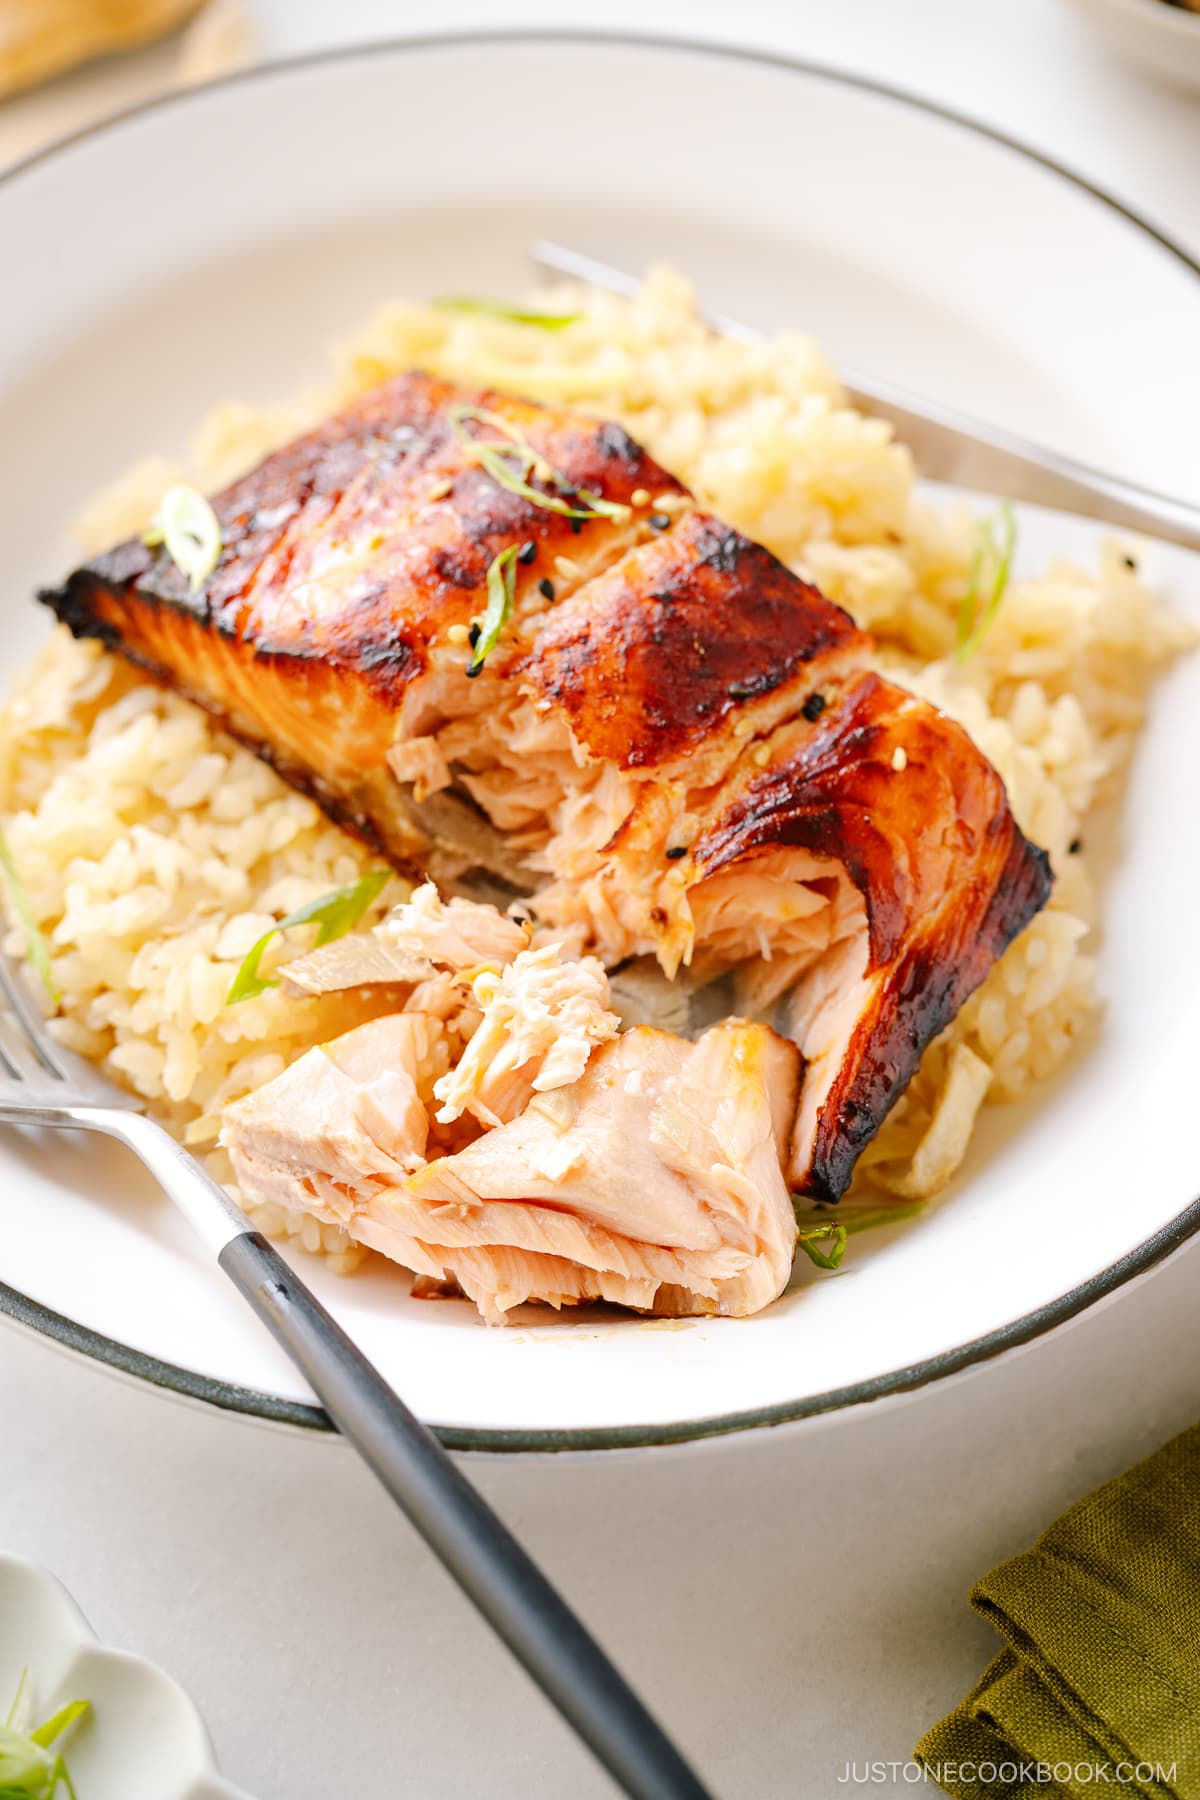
(1098, 1691)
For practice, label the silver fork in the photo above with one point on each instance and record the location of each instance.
(948, 445)
(42, 1084)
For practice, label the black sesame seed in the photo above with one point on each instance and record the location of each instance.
(813, 707)
(546, 588)
(576, 526)
(724, 552)
(613, 441)
(527, 552)
(1130, 562)
(660, 521)
(676, 852)
(1075, 846)
(473, 633)
(474, 669)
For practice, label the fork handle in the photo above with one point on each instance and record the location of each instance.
(948, 445)
(457, 1523)
(460, 1527)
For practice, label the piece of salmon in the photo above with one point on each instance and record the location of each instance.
(888, 810)
(320, 638)
(654, 1180)
(346, 1118)
(676, 747)
(422, 936)
(540, 1020)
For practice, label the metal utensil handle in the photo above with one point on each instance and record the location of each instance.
(509, 1589)
(456, 1522)
(950, 446)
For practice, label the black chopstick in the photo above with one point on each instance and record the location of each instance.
(462, 1530)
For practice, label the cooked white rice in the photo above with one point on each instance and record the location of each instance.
(155, 850)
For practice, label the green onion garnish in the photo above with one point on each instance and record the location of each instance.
(36, 950)
(498, 309)
(336, 914)
(30, 1767)
(809, 1236)
(990, 568)
(191, 531)
(502, 592)
(513, 462)
(815, 1228)
(869, 1218)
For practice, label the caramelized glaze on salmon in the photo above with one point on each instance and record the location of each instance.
(347, 557)
(890, 799)
(676, 748)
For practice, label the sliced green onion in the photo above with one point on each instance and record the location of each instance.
(600, 508)
(189, 528)
(808, 1238)
(498, 309)
(816, 1228)
(30, 1767)
(991, 566)
(22, 1705)
(871, 1218)
(59, 1722)
(512, 463)
(336, 913)
(25, 1768)
(502, 593)
(37, 952)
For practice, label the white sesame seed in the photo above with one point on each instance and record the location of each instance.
(566, 568)
(459, 634)
(440, 489)
(762, 756)
(899, 758)
(640, 497)
(743, 728)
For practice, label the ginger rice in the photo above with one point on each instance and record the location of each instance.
(156, 851)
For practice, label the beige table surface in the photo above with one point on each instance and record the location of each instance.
(791, 1602)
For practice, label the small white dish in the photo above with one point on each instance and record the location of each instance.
(1162, 40)
(143, 1738)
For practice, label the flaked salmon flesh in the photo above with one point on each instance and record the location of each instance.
(677, 750)
(652, 1181)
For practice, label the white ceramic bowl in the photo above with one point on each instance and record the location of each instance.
(1160, 39)
(211, 245)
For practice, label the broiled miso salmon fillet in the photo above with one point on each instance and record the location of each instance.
(654, 1180)
(670, 742)
(348, 558)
